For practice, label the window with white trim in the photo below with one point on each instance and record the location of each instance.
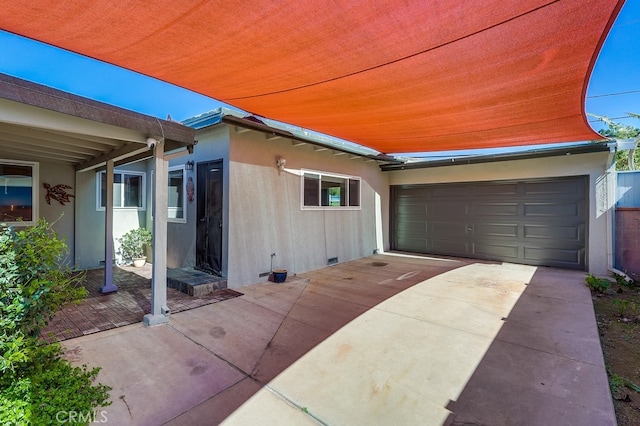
(330, 191)
(176, 195)
(19, 192)
(128, 190)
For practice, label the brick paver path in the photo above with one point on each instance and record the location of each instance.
(99, 312)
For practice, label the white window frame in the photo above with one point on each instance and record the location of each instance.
(35, 191)
(120, 207)
(336, 175)
(184, 195)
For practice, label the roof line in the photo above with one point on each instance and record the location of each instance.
(248, 121)
(490, 158)
(37, 95)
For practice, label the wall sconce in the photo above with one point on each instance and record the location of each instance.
(280, 163)
(189, 165)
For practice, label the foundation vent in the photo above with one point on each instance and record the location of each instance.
(332, 261)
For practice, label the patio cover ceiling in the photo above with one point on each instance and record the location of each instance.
(45, 124)
(395, 76)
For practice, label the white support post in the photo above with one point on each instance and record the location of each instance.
(159, 311)
(109, 286)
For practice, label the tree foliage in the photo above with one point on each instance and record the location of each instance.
(620, 131)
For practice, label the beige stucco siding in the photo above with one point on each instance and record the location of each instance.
(213, 145)
(62, 216)
(90, 222)
(265, 214)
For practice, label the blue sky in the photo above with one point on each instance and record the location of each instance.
(613, 91)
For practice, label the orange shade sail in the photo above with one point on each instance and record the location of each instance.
(396, 76)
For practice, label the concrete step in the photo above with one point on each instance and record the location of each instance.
(193, 282)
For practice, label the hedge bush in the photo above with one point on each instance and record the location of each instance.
(36, 382)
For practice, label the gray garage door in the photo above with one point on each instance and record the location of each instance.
(535, 222)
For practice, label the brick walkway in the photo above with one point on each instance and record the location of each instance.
(99, 312)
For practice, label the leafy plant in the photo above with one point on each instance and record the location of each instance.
(132, 243)
(621, 131)
(618, 383)
(35, 381)
(599, 285)
(623, 281)
(622, 306)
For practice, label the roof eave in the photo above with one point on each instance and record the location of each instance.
(509, 156)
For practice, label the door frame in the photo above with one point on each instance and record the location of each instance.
(224, 211)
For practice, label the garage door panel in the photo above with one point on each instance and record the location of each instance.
(504, 251)
(487, 230)
(553, 257)
(507, 189)
(447, 210)
(554, 187)
(450, 191)
(409, 210)
(536, 221)
(574, 233)
(411, 217)
(414, 228)
(449, 246)
(447, 229)
(495, 209)
(551, 210)
(418, 245)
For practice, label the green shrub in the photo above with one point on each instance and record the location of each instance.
(133, 242)
(36, 383)
(596, 284)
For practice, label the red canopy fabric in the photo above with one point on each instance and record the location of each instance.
(396, 76)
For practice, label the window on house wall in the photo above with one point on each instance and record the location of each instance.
(128, 190)
(176, 195)
(327, 191)
(19, 192)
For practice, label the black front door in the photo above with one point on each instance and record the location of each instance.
(209, 225)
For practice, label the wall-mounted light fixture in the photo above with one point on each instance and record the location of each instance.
(189, 165)
(151, 142)
(280, 163)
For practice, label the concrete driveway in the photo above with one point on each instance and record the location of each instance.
(387, 339)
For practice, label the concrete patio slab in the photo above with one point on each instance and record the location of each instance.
(267, 404)
(387, 369)
(214, 410)
(515, 385)
(156, 373)
(387, 339)
(279, 298)
(238, 331)
(293, 339)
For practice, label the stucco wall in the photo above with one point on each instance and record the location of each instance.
(213, 144)
(61, 215)
(90, 222)
(265, 214)
(594, 165)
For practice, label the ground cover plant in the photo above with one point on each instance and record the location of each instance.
(617, 308)
(37, 385)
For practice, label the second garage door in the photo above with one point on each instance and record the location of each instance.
(535, 222)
